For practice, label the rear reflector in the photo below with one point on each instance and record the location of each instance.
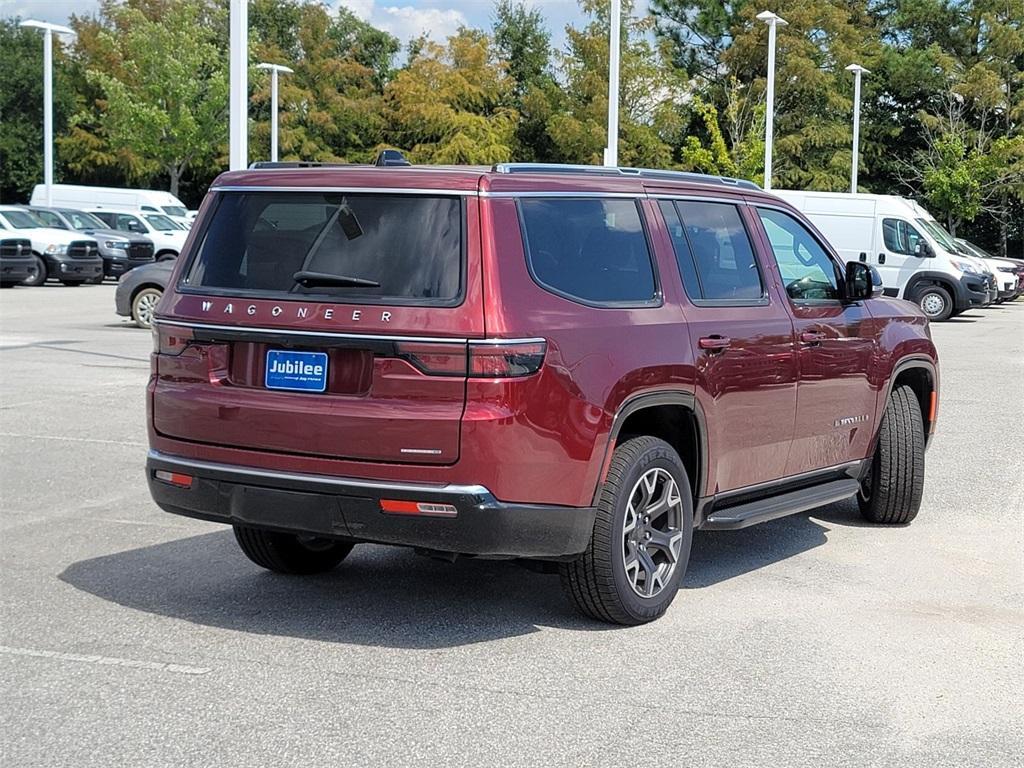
(932, 408)
(174, 478)
(492, 360)
(428, 508)
(436, 359)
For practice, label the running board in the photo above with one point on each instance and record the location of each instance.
(763, 510)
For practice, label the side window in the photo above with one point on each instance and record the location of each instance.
(589, 249)
(131, 224)
(808, 273)
(900, 237)
(716, 259)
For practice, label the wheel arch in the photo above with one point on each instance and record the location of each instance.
(921, 375)
(925, 279)
(165, 253)
(674, 416)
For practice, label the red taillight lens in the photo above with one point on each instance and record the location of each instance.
(427, 508)
(435, 358)
(173, 478)
(171, 340)
(496, 360)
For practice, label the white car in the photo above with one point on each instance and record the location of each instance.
(66, 255)
(168, 237)
(1009, 272)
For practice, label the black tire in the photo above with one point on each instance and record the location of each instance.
(935, 302)
(289, 553)
(39, 276)
(7, 285)
(597, 583)
(891, 493)
(72, 283)
(143, 306)
(98, 280)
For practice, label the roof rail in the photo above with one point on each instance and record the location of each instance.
(386, 158)
(643, 173)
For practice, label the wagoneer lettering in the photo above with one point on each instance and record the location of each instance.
(580, 366)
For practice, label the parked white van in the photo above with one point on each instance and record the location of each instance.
(904, 243)
(112, 198)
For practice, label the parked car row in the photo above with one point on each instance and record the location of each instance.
(917, 258)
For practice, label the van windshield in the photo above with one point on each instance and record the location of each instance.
(364, 247)
(941, 235)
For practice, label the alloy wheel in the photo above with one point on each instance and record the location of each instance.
(651, 532)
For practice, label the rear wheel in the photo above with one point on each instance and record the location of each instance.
(144, 305)
(936, 303)
(640, 545)
(97, 280)
(72, 283)
(891, 492)
(290, 553)
(37, 274)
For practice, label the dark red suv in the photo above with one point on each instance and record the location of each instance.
(568, 364)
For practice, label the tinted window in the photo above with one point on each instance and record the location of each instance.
(807, 271)
(589, 249)
(402, 247)
(900, 237)
(717, 242)
(684, 257)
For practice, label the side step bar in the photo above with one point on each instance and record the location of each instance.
(763, 510)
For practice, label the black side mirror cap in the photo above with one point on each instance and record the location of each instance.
(862, 282)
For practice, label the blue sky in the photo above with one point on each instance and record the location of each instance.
(403, 18)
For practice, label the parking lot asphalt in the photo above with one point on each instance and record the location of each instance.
(133, 637)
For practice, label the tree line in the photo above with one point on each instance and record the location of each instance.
(141, 95)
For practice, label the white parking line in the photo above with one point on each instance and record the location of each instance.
(113, 661)
(67, 439)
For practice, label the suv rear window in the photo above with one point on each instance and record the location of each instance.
(395, 248)
(588, 249)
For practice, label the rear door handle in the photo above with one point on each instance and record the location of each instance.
(714, 343)
(812, 337)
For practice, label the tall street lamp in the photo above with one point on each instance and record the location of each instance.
(611, 152)
(857, 70)
(772, 21)
(238, 100)
(274, 69)
(48, 30)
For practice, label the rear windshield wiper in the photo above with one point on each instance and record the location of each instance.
(314, 279)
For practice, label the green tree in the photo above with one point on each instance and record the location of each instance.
(449, 104)
(21, 108)
(160, 69)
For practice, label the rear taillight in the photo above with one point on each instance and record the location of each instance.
(171, 340)
(434, 358)
(498, 359)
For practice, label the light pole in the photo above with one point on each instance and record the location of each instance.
(274, 69)
(772, 21)
(857, 70)
(238, 101)
(611, 152)
(48, 30)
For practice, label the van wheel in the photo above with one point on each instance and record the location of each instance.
(290, 553)
(936, 303)
(891, 492)
(144, 306)
(38, 274)
(640, 545)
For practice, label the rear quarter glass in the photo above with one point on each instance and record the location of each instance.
(412, 246)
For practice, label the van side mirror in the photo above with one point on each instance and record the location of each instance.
(923, 250)
(862, 282)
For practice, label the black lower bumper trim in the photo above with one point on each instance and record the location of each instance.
(350, 509)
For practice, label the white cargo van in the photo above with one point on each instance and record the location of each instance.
(112, 198)
(904, 243)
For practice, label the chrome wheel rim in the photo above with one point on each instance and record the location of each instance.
(145, 307)
(932, 304)
(651, 533)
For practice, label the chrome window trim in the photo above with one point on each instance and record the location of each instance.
(349, 190)
(342, 334)
(560, 193)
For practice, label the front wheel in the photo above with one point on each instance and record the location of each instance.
(640, 545)
(290, 553)
(37, 273)
(891, 492)
(936, 303)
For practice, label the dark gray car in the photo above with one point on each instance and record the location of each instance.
(139, 291)
(121, 252)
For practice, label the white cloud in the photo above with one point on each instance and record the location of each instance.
(408, 21)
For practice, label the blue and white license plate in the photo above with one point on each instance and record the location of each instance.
(297, 371)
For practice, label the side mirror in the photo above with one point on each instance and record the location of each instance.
(923, 250)
(862, 282)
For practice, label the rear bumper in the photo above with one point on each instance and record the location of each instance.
(349, 508)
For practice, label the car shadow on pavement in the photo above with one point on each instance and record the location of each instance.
(389, 596)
